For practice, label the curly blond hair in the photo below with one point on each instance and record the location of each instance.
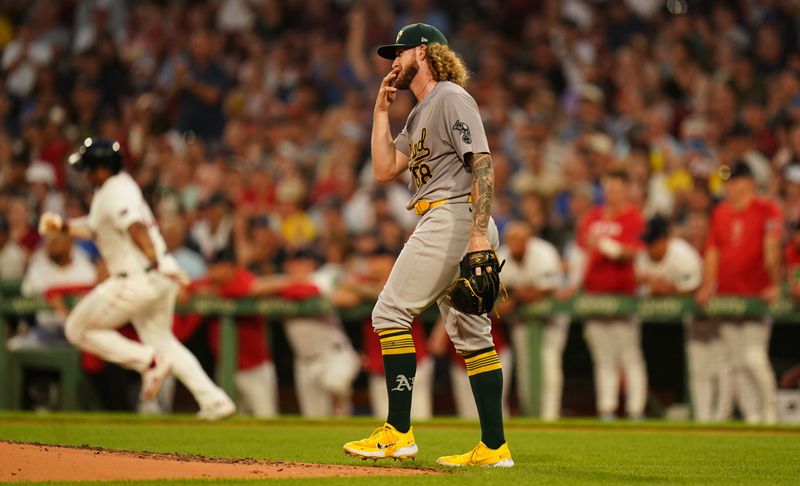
(446, 65)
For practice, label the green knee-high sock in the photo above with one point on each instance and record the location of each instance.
(400, 366)
(486, 379)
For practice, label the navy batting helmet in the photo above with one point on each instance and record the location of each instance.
(97, 152)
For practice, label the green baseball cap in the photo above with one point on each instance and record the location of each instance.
(413, 35)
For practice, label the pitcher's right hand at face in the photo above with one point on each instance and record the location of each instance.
(387, 92)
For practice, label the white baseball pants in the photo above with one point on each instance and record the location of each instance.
(314, 400)
(615, 345)
(710, 372)
(746, 345)
(147, 301)
(258, 390)
(554, 339)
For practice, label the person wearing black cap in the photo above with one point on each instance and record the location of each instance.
(445, 148)
(671, 266)
(743, 258)
(142, 287)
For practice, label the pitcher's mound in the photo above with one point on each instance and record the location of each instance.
(40, 462)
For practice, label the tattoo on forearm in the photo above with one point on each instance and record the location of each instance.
(482, 192)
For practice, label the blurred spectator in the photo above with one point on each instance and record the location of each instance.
(259, 246)
(12, 257)
(236, 16)
(532, 272)
(423, 11)
(296, 225)
(212, 232)
(22, 59)
(191, 262)
(85, 104)
(42, 179)
(45, 17)
(740, 144)
(200, 85)
(790, 192)
(743, 257)
(55, 270)
(94, 18)
(20, 225)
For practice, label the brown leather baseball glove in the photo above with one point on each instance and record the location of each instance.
(472, 293)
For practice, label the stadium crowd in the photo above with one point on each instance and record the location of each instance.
(247, 122)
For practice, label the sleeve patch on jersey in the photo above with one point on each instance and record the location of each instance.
(462, 127)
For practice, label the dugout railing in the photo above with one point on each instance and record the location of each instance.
(651, 311)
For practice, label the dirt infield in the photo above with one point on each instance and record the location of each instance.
(41, 462)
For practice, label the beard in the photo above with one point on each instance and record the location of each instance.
(407, 75)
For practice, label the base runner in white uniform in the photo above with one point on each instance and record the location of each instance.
(445, 148)
(141, 288)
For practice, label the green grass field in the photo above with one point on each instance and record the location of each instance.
(570, 452)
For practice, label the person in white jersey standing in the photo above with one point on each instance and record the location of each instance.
(142, 285)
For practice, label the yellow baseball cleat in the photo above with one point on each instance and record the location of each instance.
(384, 443)
(480, 456)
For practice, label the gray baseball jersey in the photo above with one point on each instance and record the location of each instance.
(438, 133)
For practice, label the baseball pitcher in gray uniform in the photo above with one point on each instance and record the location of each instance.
(444, 147)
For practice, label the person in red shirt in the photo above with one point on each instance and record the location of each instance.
(255, 378)
(609, 234)
(743, 258)
(792, 260)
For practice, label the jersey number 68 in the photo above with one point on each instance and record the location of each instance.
(422, 174)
